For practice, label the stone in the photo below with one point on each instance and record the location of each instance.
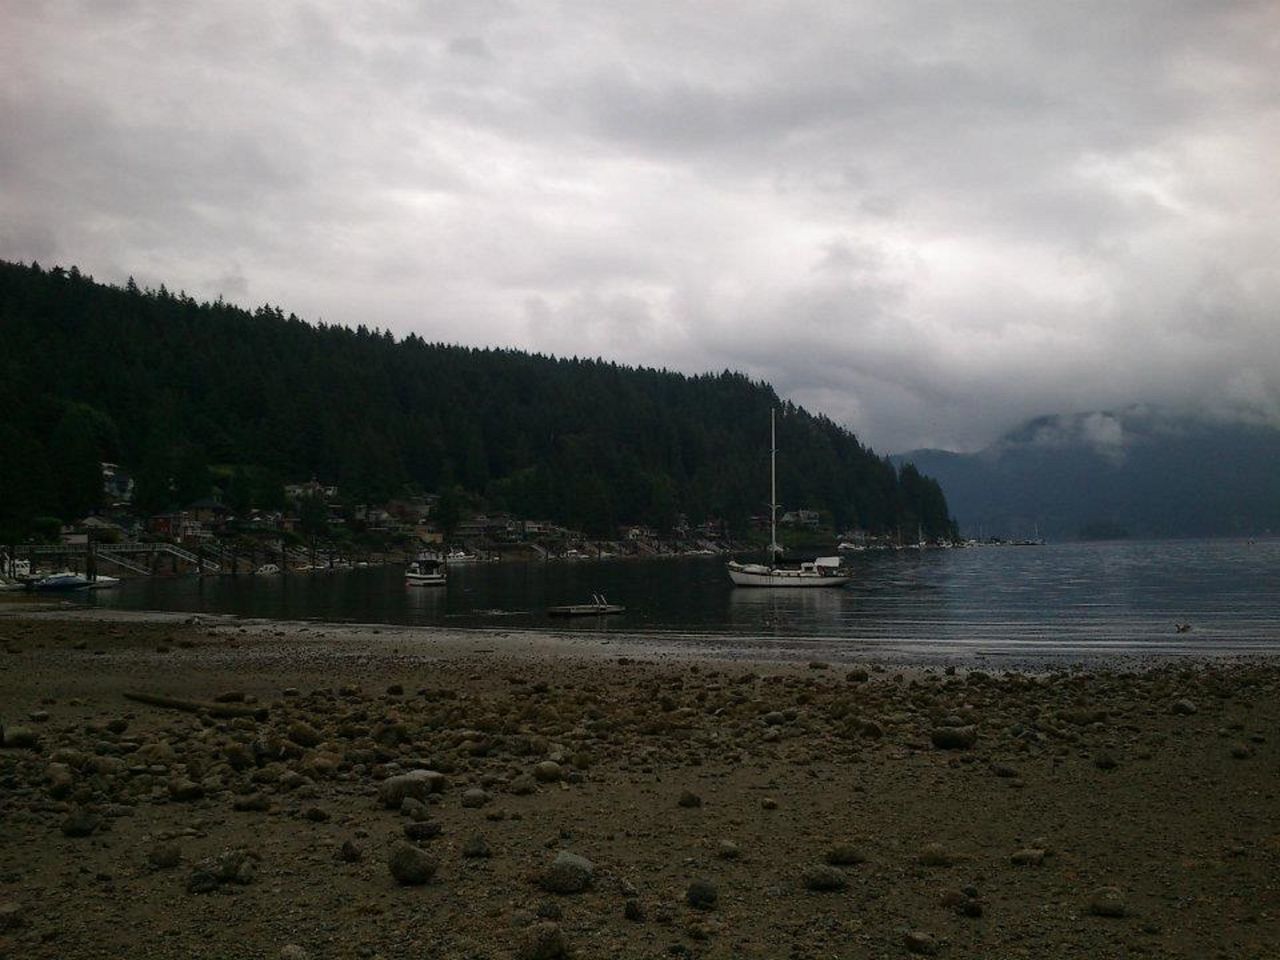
(1004, 770)
(420, 830)
(252, 803)
(689, 799)
(1107, 902)
(317, 814)
(411, 866)
(568, 873)
(1184, 707)
(237, 866)
(548, 771)
(1105, 761)
(185, 791)
(12, 916)
(964, 902)
(702, 894)
(60, 780)
(954, 738)
(19, 738)
(350, 852)
(303, 734)
(823, 877)
(845, 855)
(1028, 857)
(475, 797)
(728, 850)
(549, 910)
(414, 809)
(476, 847)
(542, 941)
(164, 856)
(417, 784)
(857, 675)
(80, 822)
(522, 785)
(291, 951)
(1241, 751)
(919, 942)
(936, 855)
(633, 910)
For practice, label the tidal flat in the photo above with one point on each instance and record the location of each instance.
(332, 790)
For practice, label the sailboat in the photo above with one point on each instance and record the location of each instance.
(822, 572)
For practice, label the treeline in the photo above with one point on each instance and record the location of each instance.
(187, 396)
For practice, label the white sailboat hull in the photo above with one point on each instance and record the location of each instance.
(757, 575)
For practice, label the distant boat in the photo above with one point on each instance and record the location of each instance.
(267, 570)
(822, 572)
(61, 581)
(456, 556)
(598, 607)
(426, 571)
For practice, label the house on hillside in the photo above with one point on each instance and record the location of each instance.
(801, 518)
(117, 485)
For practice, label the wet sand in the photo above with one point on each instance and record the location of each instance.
(968, 814)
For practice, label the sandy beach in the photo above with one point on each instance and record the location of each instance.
(314, 790)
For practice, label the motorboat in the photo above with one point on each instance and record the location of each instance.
(65, 580)
(426, 571)
(822, 572)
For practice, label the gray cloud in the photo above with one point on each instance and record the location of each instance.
(927, 221)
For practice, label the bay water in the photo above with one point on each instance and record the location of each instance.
(1078, 601)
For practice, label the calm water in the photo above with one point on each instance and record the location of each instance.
(1059, 600)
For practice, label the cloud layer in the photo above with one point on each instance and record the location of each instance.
(928, 221)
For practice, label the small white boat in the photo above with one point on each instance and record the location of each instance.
(822, 572)
(267, 570)
(102, 582)
(457, 556)
(426, 571)
(66, 580)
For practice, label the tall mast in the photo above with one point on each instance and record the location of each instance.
(773, 488)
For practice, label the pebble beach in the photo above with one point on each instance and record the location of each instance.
(177, 786)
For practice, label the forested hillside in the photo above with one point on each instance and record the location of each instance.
(169, 388)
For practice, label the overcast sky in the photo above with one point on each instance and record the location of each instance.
(928, 220)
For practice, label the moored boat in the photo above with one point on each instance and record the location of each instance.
(822, 572)
(66, 580)
(426, 571)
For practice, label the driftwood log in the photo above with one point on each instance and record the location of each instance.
(199, 706)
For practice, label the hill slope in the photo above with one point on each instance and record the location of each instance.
(167, 386)
(1140, 472)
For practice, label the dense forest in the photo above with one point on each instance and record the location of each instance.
(199, 398)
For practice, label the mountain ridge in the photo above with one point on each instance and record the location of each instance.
(1142, 471)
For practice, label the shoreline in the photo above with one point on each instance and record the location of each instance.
(724, 808)
(706, 648)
